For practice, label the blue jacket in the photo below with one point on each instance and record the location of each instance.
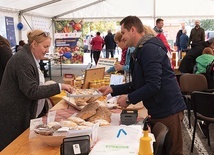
(126, 66)
(153, 81)
(184, 41)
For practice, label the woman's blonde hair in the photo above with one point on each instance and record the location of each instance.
(118, 36)
(149, 30)
(208, 50)
(37, 35)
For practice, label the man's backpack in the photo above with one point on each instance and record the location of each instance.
(210, 69)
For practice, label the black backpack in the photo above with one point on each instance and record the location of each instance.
(210, 70)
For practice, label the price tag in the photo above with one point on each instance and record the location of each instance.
(51, 116)
(76, 148)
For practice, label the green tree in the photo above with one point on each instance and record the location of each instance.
(101, 26)
(207, 24)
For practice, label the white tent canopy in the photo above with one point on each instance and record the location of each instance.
(108, 9)
(40, 13)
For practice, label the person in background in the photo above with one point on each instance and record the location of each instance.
(125, 57)
(110, 44)
(179, 33)
(203, 60)
(188, 62)
(201, 64)
(184, 40)
(89, 47)
(159, 30)
(197, 35)
(97, 44)
(20, 46)
(149, 30)
(43, 68)
(153, 82)
(22, 91)
(5, 54)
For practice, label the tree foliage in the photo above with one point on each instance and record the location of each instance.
(99, 26)
(207, 24)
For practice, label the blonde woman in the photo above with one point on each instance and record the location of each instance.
(22, 89)
(125, 57)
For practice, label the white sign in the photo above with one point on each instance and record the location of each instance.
(107, 63)
(116, 79)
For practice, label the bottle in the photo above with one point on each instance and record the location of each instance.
(145, 141)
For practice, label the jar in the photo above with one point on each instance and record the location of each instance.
(107, 83)
(107, 79)
(102, 82)
(98, 83)
(78, 83)
(92, 84)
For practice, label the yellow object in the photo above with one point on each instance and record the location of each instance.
(78, 83)
(93, 84)
(145, 142)
(56, 98)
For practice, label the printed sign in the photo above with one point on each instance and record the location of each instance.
(105, 62)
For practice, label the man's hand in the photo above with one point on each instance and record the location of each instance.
(105, 90)
(121, 101)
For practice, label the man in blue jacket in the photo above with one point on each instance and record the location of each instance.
(153, 82)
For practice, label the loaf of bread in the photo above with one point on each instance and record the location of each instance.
(88, 111)
(77, 120)
(102, 113)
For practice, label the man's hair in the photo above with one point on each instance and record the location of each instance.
(98, 33)
(158, 20)
(130, 21)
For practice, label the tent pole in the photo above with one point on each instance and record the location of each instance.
(154, 13)
(20, 32)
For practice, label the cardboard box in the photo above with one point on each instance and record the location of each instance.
(69, 79)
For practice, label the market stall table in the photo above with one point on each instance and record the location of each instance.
(22, 145)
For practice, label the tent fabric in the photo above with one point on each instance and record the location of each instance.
(112, 9)
(39, 14)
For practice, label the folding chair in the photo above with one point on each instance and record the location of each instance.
(203, 108)
(188, 84)
(159, 130)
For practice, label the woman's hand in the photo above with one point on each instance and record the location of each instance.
(67, 87)
(118, 67)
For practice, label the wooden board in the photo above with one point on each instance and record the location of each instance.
(137, 106)
(71, 102)
(93, 74)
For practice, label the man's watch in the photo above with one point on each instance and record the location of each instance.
(127, 100)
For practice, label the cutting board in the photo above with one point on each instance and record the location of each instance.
(137, 106)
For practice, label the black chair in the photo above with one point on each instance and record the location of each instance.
(188, 84)
(159, 130)
(203, 108)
